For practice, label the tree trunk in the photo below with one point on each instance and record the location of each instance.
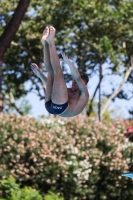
(2, 102)
(7, 37)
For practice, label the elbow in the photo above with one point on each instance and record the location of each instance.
(87, 95)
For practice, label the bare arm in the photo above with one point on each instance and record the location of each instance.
(82, 87)
(73, 69)
(76, 76)
(38, 72)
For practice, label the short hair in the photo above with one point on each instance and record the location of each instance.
(84, 76)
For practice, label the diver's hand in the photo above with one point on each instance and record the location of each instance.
(65, 58)
(35, 69)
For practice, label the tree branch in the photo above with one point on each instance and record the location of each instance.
(12, 26)
(119, 89)
(130, 97)
(11, 99)
(92, 99)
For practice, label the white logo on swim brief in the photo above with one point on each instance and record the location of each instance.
(56, 107)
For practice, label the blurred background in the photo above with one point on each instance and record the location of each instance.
(96, 35)
(80, 158)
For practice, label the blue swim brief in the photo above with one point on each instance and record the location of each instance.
(55, 109)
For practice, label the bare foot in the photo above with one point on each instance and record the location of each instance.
(51, 34)
(45, 34)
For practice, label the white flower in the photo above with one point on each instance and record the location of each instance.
(77, 172)
(85, 164)
(128, 160)
(48, 121)
(61, 122)
(67, 146)
(127, 139)
(73, 157)
(69, 162)
(89, 170)
(75, 150)
(86, 177)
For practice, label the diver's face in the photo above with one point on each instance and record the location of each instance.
(74, 85)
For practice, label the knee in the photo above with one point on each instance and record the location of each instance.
(57, 72)
(48, 67)
(51, 74)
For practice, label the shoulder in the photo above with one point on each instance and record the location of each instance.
(75, 109)
(82, 102)
(84, 98)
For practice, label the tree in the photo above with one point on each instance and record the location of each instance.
(119, 89)
(10, 30)
(92, 33)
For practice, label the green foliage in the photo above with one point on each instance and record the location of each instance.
(52, 196)
(127, 126)
(109, 116)
(23, 105)
(79, 158)
(12, 191)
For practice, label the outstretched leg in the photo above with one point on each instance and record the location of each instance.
(48, 65)
(59, 92)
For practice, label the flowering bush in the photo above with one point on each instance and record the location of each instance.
(127, 126)
(77, 157)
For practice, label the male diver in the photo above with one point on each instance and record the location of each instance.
(60, 100)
